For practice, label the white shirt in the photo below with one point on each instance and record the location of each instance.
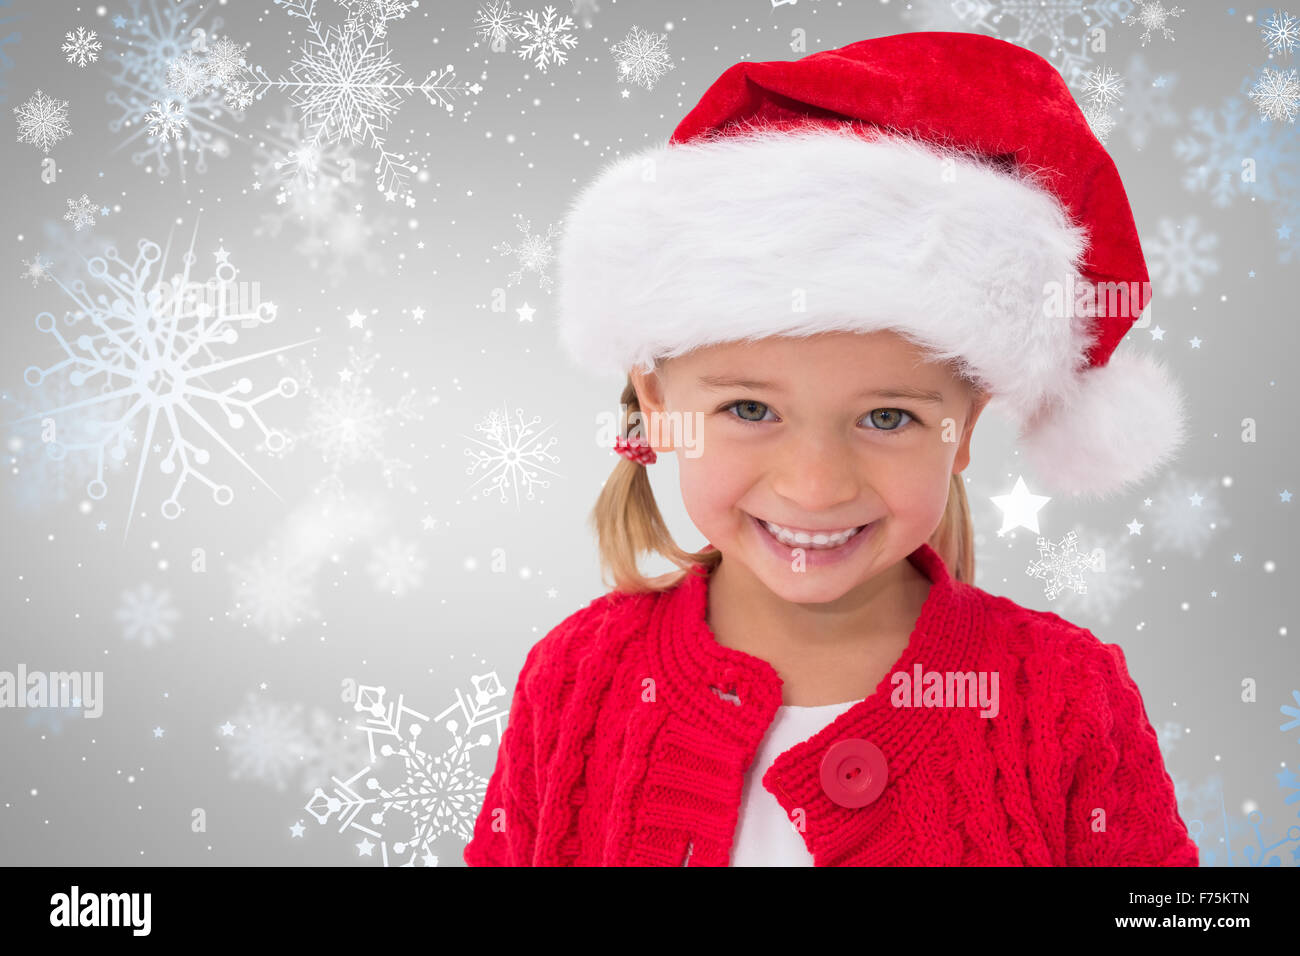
(765, 836)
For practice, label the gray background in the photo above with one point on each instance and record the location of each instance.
(220, 698)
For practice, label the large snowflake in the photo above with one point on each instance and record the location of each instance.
(347, 87)
(43, 121)
(414, 791)
(496, 23)
(642, 57)
(165, 343)
(1112, 583)
(1277, 94)
(510, 456)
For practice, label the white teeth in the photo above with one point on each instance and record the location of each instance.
(818, 541)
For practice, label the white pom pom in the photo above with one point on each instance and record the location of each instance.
(1121, 423)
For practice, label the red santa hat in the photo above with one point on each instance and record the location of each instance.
(945, 186)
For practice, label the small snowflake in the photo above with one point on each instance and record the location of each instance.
(146, 615)
(1281, 32)
(495, 22)
(545, 40)
(1181, 256)
(642, 57)
(1100, 121)
(188, 74)
(238, 96)
(511, 457)
(1277, 95)
(1103, 87)
(166, 120)
(38, 270)
(535, 253)
(81, 212)
(1061, 565)
(225, 60)
(42, 121)
(82, 48)
(396, 566)
(1152, 16)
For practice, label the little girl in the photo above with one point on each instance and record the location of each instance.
(813, 290)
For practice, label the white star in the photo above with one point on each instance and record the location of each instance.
(365, 846)
(157, 732)
(221, 254)
(418, 314)
(1195, 342)
(429, 522)
(296, 829)
(1157, 333)
(525, 313)
(227, 729)
(355, 318)
(1020, 508)
(1135, 526)
(1196, 500)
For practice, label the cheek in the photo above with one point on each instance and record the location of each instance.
(715, 480)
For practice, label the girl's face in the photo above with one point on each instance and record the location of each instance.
(820, 433)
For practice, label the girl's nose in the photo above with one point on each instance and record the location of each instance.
(815, 474)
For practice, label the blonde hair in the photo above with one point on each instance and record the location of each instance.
(627, 522)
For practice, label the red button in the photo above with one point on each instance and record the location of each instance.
(853, 772)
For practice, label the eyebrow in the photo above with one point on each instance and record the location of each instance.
(888, 391)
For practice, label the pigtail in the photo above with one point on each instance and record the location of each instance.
(954, 539)
(627, 522)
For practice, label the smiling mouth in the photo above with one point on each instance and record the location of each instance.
(812, 540)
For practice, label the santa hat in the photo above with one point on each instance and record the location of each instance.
(945, 186)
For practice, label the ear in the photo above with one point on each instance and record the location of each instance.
(978, 402)
(650, 400)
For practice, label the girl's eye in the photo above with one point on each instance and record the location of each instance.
(889, 422)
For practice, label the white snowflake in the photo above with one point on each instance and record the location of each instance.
(81, 212)
(269, 742)
(37, 269)
(347, 87)
(1061, 565)
(375, 14)
(43, 121)
(1277, 94)
(535, 253)
(511, 458)
(1183, 518)
(1103, 87)
(545, 40)
(188, 74)
(1180, 256)
(224, 61)
(275, 587)
(1281, 32)
(166, 120)
(396, 566)
(405, 805)
(238, 96)
(169, 343)
(83, 47)
(147, 615)
(1152, 15)
(350, 422)
(642, 57)
(1113, 582)
(496, 22)
(1100, 121)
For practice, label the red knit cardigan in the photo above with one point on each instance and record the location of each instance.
(622, 750)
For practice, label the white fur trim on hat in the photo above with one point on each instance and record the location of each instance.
(798, 232)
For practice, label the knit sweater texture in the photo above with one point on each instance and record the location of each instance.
(631, 729)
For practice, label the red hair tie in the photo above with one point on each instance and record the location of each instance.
(637, 450)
